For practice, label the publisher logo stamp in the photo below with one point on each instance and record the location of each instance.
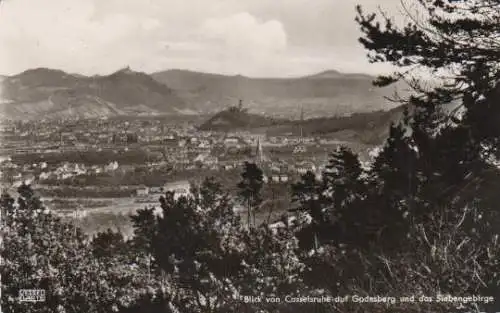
(31, 295)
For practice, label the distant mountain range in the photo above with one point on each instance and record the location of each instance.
(329, 93)
(55, 94)
(48, 93)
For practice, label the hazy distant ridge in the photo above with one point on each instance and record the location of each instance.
(53, 93)
(327, 93)
(49, 93)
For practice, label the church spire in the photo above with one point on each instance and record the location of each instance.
(259, 153)
(301, 123)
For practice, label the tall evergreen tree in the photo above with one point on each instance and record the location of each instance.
(307, 195)
(453, 40)
(144, 223)
(250, 186)
(344, 188)
(455, 119)
(342, 178)
(454, 124)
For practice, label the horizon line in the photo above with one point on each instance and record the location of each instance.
(196, 71)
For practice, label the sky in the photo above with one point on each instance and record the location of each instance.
(258, 38)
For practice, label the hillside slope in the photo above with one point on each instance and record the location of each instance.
(47, 93)
(369, 128)
(238, 119)
(56, 94)
(329, 93)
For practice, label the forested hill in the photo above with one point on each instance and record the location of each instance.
(327, 93)
(236, 118)
(371, 126)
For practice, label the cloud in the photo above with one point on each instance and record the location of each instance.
(150, 24)
(242, 33)
(67, 34)
(250, 37)
(238, 43)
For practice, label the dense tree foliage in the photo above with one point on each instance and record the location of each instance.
(200, 243)
(421, 219)
(40, 251)
(194, 256)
